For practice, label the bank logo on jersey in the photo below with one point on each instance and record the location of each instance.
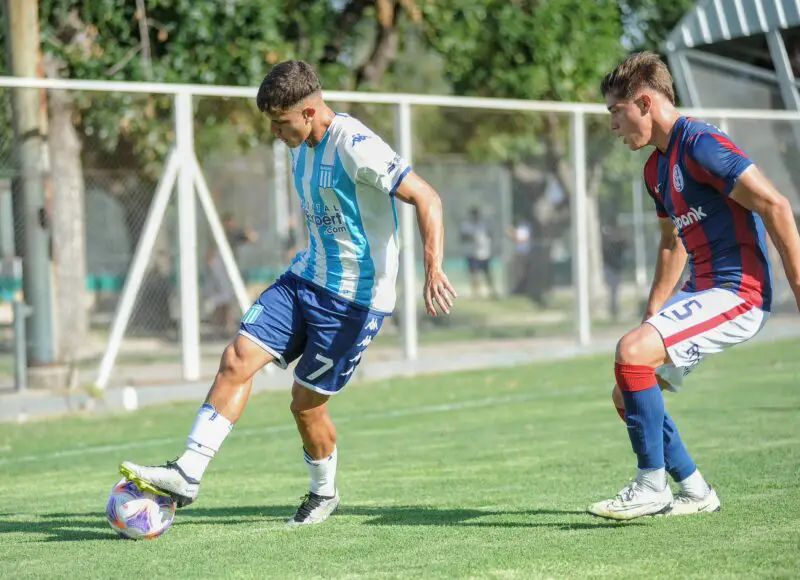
(677, 178)
(328, 219)
(694, 215)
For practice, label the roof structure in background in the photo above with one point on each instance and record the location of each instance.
(745, 54)
(712, 21)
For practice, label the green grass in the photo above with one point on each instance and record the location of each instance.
(472, 475)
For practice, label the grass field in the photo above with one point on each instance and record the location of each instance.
(472, 475)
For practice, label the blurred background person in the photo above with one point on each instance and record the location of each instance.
(221, 296)
(476, 243)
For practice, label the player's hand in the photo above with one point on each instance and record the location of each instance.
(438, 290)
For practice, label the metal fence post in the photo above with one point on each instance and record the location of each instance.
(187, 236)
(407, 236)
(580, 248)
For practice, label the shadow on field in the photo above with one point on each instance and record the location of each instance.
(75, 527)
(408, 516)
(58, 527)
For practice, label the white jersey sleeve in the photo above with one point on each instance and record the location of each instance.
(369, 160)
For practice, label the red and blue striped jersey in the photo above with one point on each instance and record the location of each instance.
(691, 184)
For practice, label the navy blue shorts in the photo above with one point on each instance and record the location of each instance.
(293, 318)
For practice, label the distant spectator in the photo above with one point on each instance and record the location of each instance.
(477, 246)
(615, 250)
(220, 290)
(520, 235)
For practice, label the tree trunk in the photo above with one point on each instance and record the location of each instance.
(597, 285)
(386, 45)
(68, 220)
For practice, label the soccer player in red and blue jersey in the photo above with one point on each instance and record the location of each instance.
(716, 209)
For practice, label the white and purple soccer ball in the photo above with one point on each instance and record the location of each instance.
(137, 514)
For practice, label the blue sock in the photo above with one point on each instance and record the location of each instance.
(676, 459)
(644, 414)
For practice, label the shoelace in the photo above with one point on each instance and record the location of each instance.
(310, 502)
(627, 493)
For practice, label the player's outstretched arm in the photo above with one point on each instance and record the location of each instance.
(756, 193)
(416, 191)
(670, 262)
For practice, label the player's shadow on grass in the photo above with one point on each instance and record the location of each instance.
(75, 527)
(63, 527)
(407, 516)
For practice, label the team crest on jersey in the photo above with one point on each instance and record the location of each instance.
(252, 314)
(325, 176)
(677, 178)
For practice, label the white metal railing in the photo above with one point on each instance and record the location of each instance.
(183, 167)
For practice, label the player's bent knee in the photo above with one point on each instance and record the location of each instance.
(233, 364)
(642, 346)
(629, 348)
(307, 404)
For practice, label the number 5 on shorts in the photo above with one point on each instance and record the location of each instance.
(687, 310)
(327, 364)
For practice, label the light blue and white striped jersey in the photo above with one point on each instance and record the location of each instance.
(346, 186)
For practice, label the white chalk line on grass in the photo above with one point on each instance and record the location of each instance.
(554, 392)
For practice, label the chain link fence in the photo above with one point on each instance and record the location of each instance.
(505, 177)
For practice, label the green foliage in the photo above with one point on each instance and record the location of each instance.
(557, 50)
(223, 42)
(649, 22)
(553, 50)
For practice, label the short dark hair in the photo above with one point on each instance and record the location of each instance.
(642, 70)
(287, 84)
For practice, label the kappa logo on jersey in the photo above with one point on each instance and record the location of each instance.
(372, 326)
(358, 138)
(694, 215)
(677, 178)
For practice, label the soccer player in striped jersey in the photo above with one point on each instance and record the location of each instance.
(715, 207)
(330, 304)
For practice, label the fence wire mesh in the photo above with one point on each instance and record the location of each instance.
(506, 179)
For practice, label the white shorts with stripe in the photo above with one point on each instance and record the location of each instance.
(696, 324)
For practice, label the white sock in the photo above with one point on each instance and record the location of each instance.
(695, 485)
(322, 473)
(655, 479)
(209, 431)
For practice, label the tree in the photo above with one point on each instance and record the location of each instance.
(648, 23)
(557, 50)
(227, 42)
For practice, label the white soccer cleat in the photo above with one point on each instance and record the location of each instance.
(314, 509)
(168, 479)
(684, 505)
(634, 501)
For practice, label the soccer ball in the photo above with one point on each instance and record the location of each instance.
(137, 514)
